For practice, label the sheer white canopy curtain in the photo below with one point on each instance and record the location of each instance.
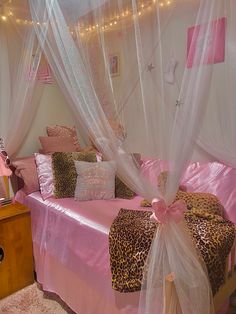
(18, 48)
(120, 49)
(218, 137)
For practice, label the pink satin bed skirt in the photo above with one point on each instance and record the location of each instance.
(71, 251)
(80, 296)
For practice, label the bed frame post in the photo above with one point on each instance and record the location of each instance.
(171, 301)
(229, 285)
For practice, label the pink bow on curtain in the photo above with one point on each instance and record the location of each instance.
(163, 213)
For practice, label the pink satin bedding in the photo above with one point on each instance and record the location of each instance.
(75, 236)
(211, 177)
(71, 238)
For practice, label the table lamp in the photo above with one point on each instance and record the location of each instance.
(5, 172)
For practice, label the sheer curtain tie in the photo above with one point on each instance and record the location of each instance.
(164, 213)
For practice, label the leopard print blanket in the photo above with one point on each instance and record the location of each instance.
(204, 201)
(132, 232)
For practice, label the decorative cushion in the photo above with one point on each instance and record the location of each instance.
(64, 131)
(26, 170)
(45, 175)
(52, 144)
(64, 172)
(95, 181)
(122, 190)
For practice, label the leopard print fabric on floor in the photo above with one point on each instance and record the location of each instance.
(132, 232)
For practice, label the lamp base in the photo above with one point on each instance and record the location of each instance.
(5, 201)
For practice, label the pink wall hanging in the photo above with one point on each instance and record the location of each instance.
(196, 38)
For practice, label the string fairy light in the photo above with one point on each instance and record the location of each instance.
(115, 19)
(109, 23)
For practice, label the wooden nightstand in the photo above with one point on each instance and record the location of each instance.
(16, 257)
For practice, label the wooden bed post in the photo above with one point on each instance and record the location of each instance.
(229, 285)
(171, 301)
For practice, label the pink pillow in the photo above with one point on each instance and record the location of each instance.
(64, 131)
(53, 144)
(26, 170)
(45, 175)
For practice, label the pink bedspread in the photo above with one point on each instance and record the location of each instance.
(71, 238)
(75, 236)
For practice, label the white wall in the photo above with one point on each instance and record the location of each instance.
(52, 110)
(174, 41)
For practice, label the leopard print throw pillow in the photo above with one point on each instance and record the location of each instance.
(64, 171)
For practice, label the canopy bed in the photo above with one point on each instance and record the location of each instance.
(174, 67)
(79, 270)
(76, 263)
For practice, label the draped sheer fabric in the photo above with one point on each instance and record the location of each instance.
(221, 110)
(73, 34)
(127, 60)
(19, 94)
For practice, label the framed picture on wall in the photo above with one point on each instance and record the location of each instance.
(114, 64)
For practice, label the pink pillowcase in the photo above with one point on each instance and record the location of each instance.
(45, 174)
(52, 144)
(26, 170)
(64, 131)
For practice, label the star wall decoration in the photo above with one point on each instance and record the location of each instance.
(179, 102)
(150, 67)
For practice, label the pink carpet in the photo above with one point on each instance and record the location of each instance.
(32, 300)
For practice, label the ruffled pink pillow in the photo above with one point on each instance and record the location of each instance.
(64, 131)
(26, 170)
(53, 144)
(45, 174)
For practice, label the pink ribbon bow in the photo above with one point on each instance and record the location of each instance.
(163, 213)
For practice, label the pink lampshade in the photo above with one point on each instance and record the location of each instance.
(4, 170)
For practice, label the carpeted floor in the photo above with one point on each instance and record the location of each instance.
(32, 300)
